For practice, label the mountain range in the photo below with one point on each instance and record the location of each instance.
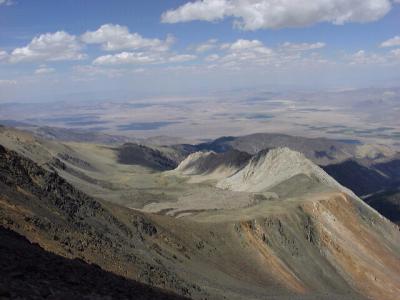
(255, 217)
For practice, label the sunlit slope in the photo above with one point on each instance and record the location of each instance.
(297, 235)
(268, 168)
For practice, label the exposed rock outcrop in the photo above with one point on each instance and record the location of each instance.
(268, 168)
(213, 165)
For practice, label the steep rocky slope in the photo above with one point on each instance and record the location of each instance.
(153, 156)
(376, 183)
(141, 155)
(390, 168)
(27, 271)
(387, 203)
(269, 168)
(360, 179)
(48, 210)
(211, 165)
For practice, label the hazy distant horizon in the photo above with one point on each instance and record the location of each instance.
(369, 115)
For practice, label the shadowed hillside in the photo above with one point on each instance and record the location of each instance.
(141, 155)
(387, 203)
(360, 179)
(27, 271)
(44, 207)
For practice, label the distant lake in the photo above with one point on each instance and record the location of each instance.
(306, 110)
(79, 120)
(258, 116)
(85, 123)
(70, 119)
(138, 105)
(145, 125)
(350, 141)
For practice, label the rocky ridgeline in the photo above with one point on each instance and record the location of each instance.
(268, 168)
(76, 225)
(241, 172)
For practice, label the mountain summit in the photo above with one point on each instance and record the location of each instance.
(269, 168)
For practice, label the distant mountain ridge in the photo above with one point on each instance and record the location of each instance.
(322, 151)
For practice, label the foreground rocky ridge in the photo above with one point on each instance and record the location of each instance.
(27, 271)
(48, 210)
(318, 245)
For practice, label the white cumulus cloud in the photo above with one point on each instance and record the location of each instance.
(393, 42)
(44, 70)
(243, 45)
(182, 58)
(362, 57)
(212, 58)
(116, 37)
(207, 46)
(302, 46)
(49, 47)
(395, 53)
(258, 14)
(142, 58)
(128, 58)
(207, 10)
(3, 55)
(244, 52)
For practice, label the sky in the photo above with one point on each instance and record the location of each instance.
(96, 49)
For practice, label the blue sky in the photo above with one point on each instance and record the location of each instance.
(57, 50)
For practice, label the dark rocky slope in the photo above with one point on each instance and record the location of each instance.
(27, 271)
(46, 209)
(390, 168)
(387, 203)
(159, 158)
(205, 163)
(360, 179)
(135, 154)
(377, 184)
